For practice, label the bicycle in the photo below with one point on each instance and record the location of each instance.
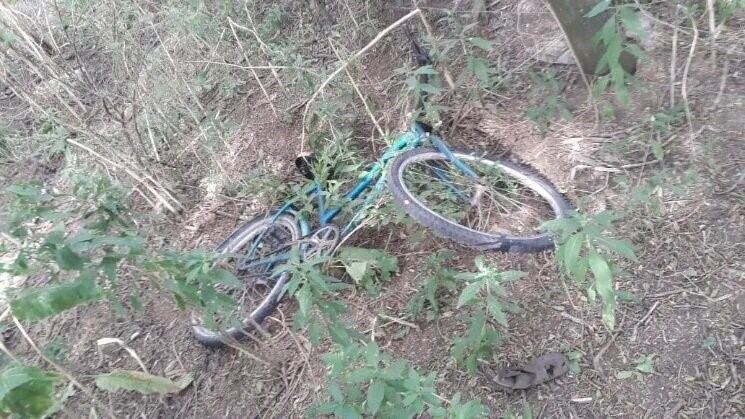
(440, 188)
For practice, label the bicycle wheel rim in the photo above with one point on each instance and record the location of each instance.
(422, 208)
(263, 301)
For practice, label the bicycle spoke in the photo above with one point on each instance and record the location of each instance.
(493, 202)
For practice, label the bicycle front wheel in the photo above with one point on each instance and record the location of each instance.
(501, 208)
(254, 248)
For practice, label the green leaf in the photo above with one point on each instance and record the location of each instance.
(38, 303)
(68, 260)
(507, 276)
(631, 22)
(709, 342)
(375, 395)
(336, 392)
(135, 302)
(657, 150)
(599, 8)
(604, 287)
(637, 52)
(427, 69)
(495, 309)
(566, 226)
(357, 270)
(481, 43)
(579, 271)
(26, 392)
(347, 412)
(361, 375)
(355, 259)
(11, 378)
(221, 276)
(469, 293)
(571, 249)
(479, 68)
(108, 266)
(622, 375)
(622, 248)
(470, 410)
(644, 364)
(140, 382)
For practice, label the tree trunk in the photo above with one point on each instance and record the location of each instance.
(579, 31)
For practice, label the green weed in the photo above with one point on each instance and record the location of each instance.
(485, 297)
(438, 280)
(27, 391)
(585, 247)
(548, 101)
(368, 267)
(611, 37)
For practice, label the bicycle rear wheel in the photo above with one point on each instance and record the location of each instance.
(499, 209)
(253, 251)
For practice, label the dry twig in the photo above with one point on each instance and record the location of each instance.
(233, 25)
(684, 82)
(361, 96)
(344, 65)
(61, 370)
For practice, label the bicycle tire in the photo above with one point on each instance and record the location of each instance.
(446, 228)
(237, 239)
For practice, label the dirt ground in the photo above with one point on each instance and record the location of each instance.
(686, 309)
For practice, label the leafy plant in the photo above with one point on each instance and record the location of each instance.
(467, 410)
(420, 82)
(585, 247)
(574, 357)
(642, 365)
(27, 391)
(140, 382)
(363, 380)
(709, 342)
(437, 279)
(727, 8)
(648, 197)
(75, 255)
(194, 278)
(368, 267)
(611, 37)
(83, 239)
(485, 296)
(549, 103)
(314, 292)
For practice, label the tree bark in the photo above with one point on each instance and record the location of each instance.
(579, 31)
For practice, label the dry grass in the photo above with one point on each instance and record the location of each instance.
(164, 97)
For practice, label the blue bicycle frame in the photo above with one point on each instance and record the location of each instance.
(374, 179)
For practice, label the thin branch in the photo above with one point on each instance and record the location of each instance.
(344, 65)
(131, 173)
(264, 46)
(59, 368)
(253, 67)
(430, 34)
(684, 82)
(673, 60)
(359, 93)
(245, 57)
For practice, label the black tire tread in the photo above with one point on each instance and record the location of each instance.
(212, 339)
(462, 235)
